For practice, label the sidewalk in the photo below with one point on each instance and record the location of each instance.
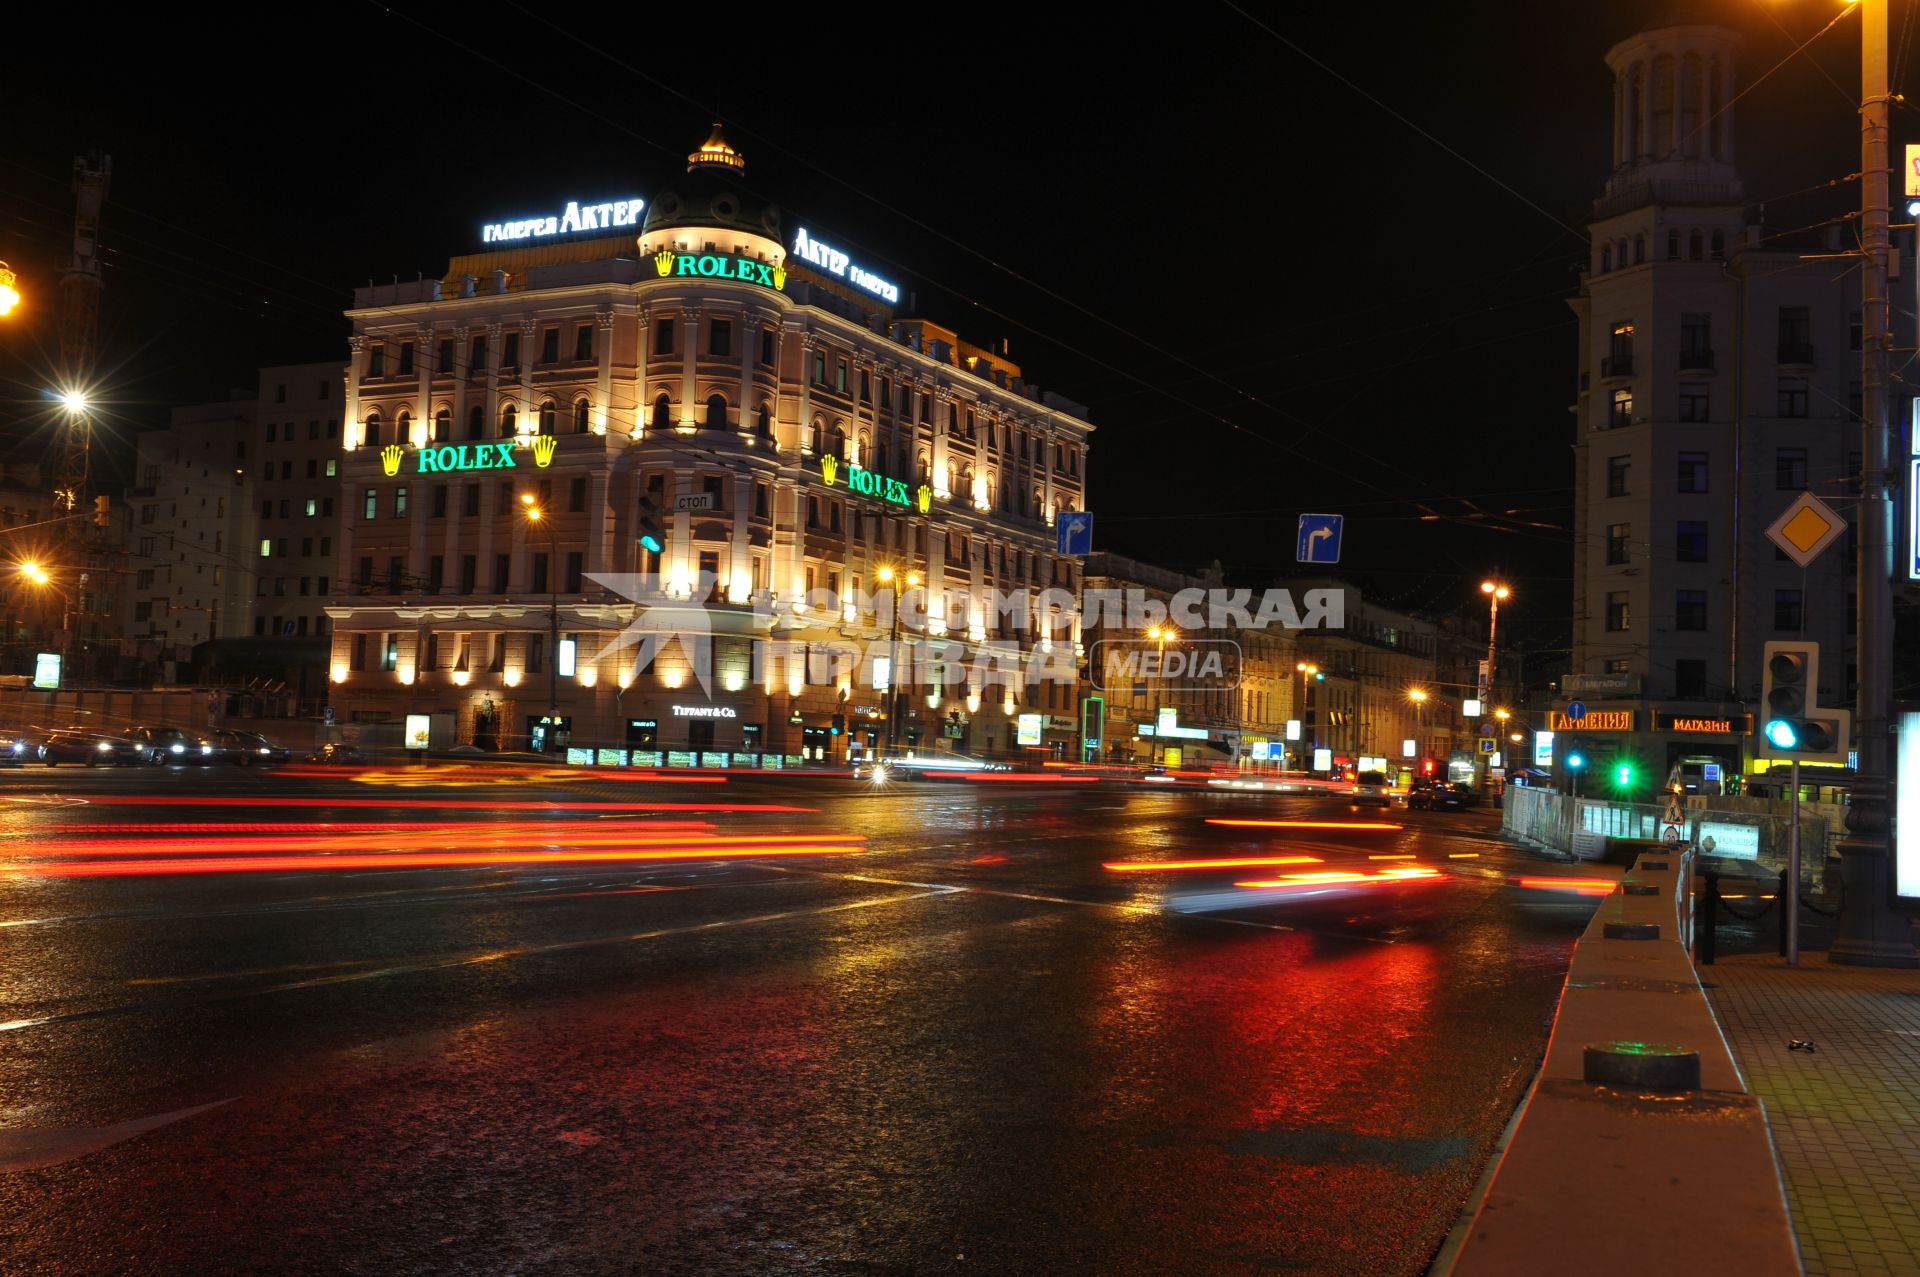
(1845, 1117)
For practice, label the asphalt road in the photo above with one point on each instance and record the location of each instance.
(929, 1033)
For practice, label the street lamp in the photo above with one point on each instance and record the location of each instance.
(1495, 591)
(9, 295)
(1418, 695)
(887, 576)
(1309, 675)
(538, 517)
(38, 575)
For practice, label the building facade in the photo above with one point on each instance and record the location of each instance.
(1719, 378)
(524, 433)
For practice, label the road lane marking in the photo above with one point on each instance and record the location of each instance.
(421, 966)
(35, 1149)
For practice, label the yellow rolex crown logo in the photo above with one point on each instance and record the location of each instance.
(663, 262)
(829, 467)
(924, 498)
(779, 276)
(390, 459)
(543, 449)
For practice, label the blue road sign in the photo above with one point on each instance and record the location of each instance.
(1319, 538)
(1576, 710)
(1074, 533)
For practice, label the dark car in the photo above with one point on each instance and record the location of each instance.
(18, 747)
(1455, 797)
(1420, 793)
(336, 753)
(248, 749)
(166, 745)
(94, 749)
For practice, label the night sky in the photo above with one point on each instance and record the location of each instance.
(1319, 264)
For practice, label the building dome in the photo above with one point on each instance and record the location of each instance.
(711, 196)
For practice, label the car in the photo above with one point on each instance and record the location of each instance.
(93, 748)
(168, 745)
(19, 747)
(337, 752)
(1455, 797)
(1370, 788)
(246, 749)
(1420, 793)
(917, 765)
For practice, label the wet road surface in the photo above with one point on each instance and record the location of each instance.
(929, 1032)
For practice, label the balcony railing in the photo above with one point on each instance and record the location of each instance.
(1617, 366)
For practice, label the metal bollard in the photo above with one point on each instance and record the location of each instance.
(1703, 945)
(1780, 903)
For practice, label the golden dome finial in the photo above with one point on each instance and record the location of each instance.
(716, 151)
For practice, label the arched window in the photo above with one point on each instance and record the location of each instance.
(925, 469)
(1693, 246)
(549, 417)
(953, 478)
(840, 443)
(816, 438)
(866, 450)
(403, 428)
(1718, 245)
(716, 412)
(443, 425)
(476, 422)
(372, 430)
(1039, 504)
(509, 421)
(662, 413)
(1673, 246)
(763, 422)
(970, 426)
(1639, 248)
(582, 417)
(953, 418)
(1606, 258)
(1620, 252)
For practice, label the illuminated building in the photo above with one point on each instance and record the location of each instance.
(1719, 378)
(757, 384)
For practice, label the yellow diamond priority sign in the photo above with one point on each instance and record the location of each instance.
(1805, 528)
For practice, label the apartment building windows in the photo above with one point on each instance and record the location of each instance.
(1617, 543)
(583, 343)
(1790, 469)
(1690, 541)
(663, 335)
(1790, 397)
(1617, 470)
(1690, 610)
(1796, 335)
(1692, 475)
(719, 338)
(1618, 617)
(1620, 411)
(1789, 611)
(1693, 401)
(1696, 341)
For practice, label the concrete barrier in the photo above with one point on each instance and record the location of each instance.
(1638, 1147)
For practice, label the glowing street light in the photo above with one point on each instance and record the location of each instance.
(887, 576)
(9, 295)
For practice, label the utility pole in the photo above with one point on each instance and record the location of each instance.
(1870, 933)
(80, 287)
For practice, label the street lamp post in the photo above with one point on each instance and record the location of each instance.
(1418, 696)
(888, 576)
(1495, 591)
(1161, 635)
(538, 517)
(1309, 673)
(1870, 933)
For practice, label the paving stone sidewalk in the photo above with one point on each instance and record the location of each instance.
(1846, 1115)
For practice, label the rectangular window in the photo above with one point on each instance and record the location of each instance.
(502, 571)
(1789, 611)
(1690, 679)
(377, 361)
(1617, 468)
(766, 347)
(439, 501)
(1617, 617)
(365, 576)
(1618, 665)
(266, 547)
(406, 359)
(477, 357)
(396, 573)
(719, 337)
(1619, 360)
(443, 368)
(1693, 401)
(1690, 541)
(662, 336)
(539, 582)
(1790, 469)
(1689, 609)
(1796, 335)
(372, 505)
(1790, 397)
(840, 375)
(510, 352)
(357, 658)
(550, 346)
(1617, 534)
(1620, 412)
(583, 342)
(577, 494)
(576, 563)
(332, 469)
(390, 653)
(400, 503)
(1696, 341)
(436, 573)
(536, 653)
(866, 386)
(468, 570)
(1693, 472)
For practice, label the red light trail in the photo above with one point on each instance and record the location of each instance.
(1306, 824)
(1154, 866)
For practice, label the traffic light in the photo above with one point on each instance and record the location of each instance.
(839, 724)
(652, 534)
(102, 516)
(1792, 725)
(1623, 775)
(1575, 761)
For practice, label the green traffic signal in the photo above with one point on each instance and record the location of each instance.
(1623, 776)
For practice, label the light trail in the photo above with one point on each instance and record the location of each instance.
(1580, 886)
(1305, 824)
(1155, 866)
(429, 804)
(416, 860)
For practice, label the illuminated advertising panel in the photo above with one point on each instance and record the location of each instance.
(1905, 805)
